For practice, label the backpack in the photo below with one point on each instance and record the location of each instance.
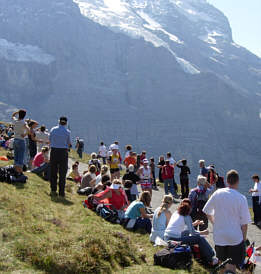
(177, 257)
(200, 202)
(107, 214)
(9, 175)
(81, 144)
(96, 163)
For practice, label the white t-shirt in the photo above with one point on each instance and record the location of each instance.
(176, 225)
(230, 211)
(103, 151)
(19, 128)
(257, 187)
(44, 136)
(171, 160)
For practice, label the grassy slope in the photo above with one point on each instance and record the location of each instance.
(39, 235)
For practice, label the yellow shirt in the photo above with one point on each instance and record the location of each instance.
(115, 161)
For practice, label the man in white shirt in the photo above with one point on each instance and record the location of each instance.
(228, 211)
(102, 153)
(256, 199)
(171, 160)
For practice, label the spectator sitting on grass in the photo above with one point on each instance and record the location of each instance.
(136, 216)
(41, 163)
(114, 196)
(89, 178)
(161, 218)
(74, 174)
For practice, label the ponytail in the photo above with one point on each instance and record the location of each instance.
(167, 200)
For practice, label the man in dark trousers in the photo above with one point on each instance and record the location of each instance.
(60, 142)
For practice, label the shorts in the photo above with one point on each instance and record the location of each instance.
(114, 170)
(237, 253)
(146, 185)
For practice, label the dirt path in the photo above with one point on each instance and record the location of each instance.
(254, 234)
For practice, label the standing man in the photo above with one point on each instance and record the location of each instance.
(203, 169)
(79, 147)
(228, 210)
(60, 142)
(168, 179)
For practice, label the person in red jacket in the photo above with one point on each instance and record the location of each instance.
(167, 176)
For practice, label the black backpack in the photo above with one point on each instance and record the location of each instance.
(107, 213)
(177, 257)
(81, 144)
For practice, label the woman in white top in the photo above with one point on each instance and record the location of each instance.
(20, 131)
(256, 199)
(145, 175)
(181, 229)
(161, 218)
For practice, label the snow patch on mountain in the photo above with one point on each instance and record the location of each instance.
(216, 50)
(189, 9)
(132, 20)
(24, 53)
(211, 37)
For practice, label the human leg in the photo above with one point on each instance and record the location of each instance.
(143, 223)
(166, 187)
(63, 167)
(19, 149)
(54, 169)
(255, 201)
(41, 169)
(206, 250)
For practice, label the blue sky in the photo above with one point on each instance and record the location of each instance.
(245, 20)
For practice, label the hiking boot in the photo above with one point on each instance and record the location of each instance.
(53, 194)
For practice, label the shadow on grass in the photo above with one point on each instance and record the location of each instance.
(61, 200)
(19, 185)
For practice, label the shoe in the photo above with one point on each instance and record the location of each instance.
(62, 195)
(215, 261)
(53, 194)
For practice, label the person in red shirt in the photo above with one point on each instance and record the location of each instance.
(167, 176)
(41, 163)
(130, 160)
(142, 157)
(115, 196)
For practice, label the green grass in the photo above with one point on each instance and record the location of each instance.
(85, 157)
(43, 235)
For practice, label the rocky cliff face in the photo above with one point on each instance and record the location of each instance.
(162, 75)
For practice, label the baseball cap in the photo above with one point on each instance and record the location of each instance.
(145, 161)
(131, 168)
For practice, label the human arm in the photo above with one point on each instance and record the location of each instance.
(168, 216)
(253, 190)
(209, 208)
(105, 195)
(244, 231)
(144, 213)
(14, 114)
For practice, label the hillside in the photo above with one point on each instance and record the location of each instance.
(40, 235)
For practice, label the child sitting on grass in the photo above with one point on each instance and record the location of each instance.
(74, 174)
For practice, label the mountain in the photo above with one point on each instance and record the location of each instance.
(160, 74)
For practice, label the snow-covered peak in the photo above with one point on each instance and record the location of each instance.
(160, 22)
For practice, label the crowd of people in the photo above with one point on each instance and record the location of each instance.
(113, 180)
